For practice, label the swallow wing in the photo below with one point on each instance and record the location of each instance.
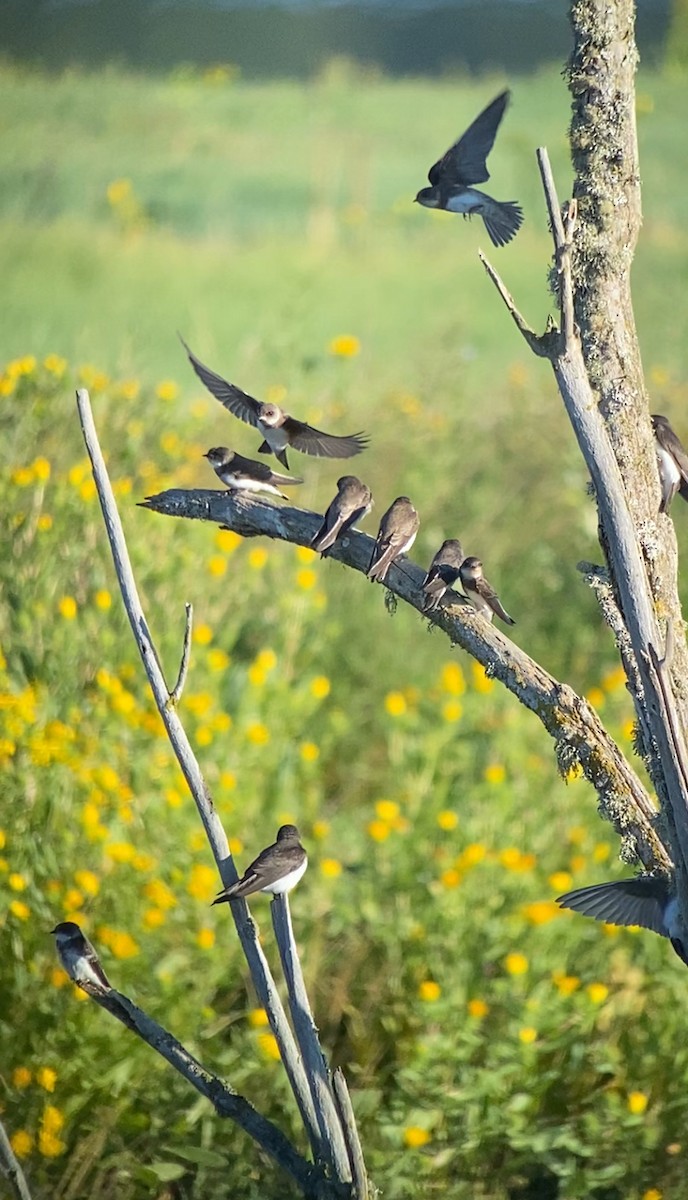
(623, 902)
(672, 444)
(239, 403)
(465, 161)
(322, 445)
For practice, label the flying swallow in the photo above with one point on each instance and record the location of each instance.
(275, 870)
(279, 430)
(79, 959)
(396, 535)
(672, 461)
(245, 474)
(479, 592)
(442, 574)
(648, 900)
(464, 164)
(352, 502)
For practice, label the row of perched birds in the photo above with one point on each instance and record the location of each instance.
(649, 901)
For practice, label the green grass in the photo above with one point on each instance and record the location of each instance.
(262, 222)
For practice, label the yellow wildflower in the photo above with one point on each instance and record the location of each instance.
(450, 878)
(447, 819)
(67, 608)
(415, 1137)
(167, 390)
(103, 599)
(494, 773)
(88, 882)
(203, 883)
(22, 1143)
(17, 882)
(123, 945)
(55, 364)
(481, 681)
(515, 963)
(395, 704)
(20, 910)
(320, 687)
(527, 1035)
(452, 679)
(202, 635)
(217, 565)
(561, 881)
(330, 868)
(346, 345)
(378, 830)
(452, 711)
(306, 579)
(309, 751)
(429, 991)
(637, 1103)
(205, 938)
(478, 1008)
(258, 733)
(566, 984)
(258, 1018)
(46, 1078)
(597, 992)
(21, 1077)
(539, 912)
(257, 558)
(268, 1045)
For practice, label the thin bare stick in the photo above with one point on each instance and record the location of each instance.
(175, 694)
(562, 242)
(539, 344)
(353, 1142)
(10, 1168)
(225, 1101)
(578, 734)
(307, 1038)
(246, 929)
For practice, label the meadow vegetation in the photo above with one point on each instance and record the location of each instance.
(494, 1045)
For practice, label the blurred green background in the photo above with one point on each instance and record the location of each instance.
(495, 1047)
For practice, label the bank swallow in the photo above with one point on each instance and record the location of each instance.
(648, 901)
(352, 502)
(479, 592)
(396, 535)
(672, 461)
(245, 474)
(442, 573)
(275, 870)
(279, 430)
(464, 164)
(79, 959)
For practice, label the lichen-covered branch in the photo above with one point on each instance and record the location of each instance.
(577, 731)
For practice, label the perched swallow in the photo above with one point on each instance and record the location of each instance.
(479, 592)
(275, 870)
(279, 429)
(79, 959)
(672, 461)
(648, 900)
(464, 164)
(352, 502)
(245, 474)
(443, 573)
(396, 535)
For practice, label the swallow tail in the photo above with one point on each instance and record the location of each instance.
(503, 219)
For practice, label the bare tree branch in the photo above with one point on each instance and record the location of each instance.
(11, 1170)
(307, 1038)
(225, 1101)
(176, 693)
(362, 1189)
(246, 929)
(577, 731)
